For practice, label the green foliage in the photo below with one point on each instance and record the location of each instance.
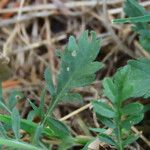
(133, 9)
(140, 18)
(15, 118)
(118, 114)
(78, 55)
(140, 77)
(77, 69)
(11, 143)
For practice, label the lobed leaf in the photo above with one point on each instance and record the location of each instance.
(118, 88)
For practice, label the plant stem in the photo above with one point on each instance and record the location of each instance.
(49, 112)
(119, 134)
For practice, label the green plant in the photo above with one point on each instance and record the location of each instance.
(78, 55)
(119, 114)
(77, 69)
(140, 18)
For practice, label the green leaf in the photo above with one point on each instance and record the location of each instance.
(35, 108)
(3, 105)
(132, 120)
(110, 89)
(107, 139)
(16, 122)
(106, 121)
(72, 98)
(118, 88)
(49, 82)
(11, 143)
(41, 107)
(27, 126)
(130, 139)
(60, 130)
(78, 55)
(99, 130)
(31, 115)
(103, 109)
(74, 59)
(37, 135)
(132, 109)
(145, 18)
(133, 9)
(140, 18)
(145, 39)
(140, 77)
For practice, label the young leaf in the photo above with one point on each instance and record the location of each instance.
(99, 130)
(133, 9)
(140, 18)
(72, 98)
(78, 55)
(49, 82)
(119, 87)
(145, 39)
(140, 77)
(16, 122)
(41, 107)
(132, 120)
(37, 135)
(27, 125)
(14, 144)
(60, 130)
(106, 121)
(130, 139)
(132, 109)
(145, 18)
(74, 60)
(107, 139)
(103, 109)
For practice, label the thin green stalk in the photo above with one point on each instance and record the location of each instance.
(51, 107)
(17, 145)
(119, 134)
